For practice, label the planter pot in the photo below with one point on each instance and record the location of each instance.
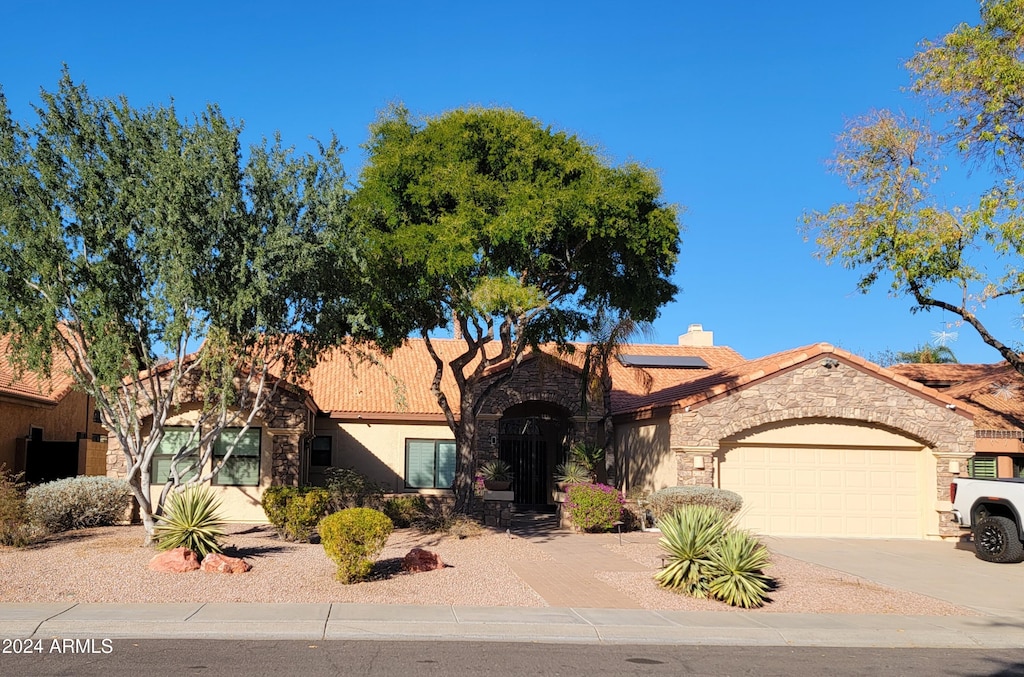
(495, 485)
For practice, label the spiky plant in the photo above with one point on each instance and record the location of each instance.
(739, 561)
(690, 535)
(191, 520)
(572, 472)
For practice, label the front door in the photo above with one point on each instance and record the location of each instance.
(532, 445)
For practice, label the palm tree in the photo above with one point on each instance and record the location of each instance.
(928, 354)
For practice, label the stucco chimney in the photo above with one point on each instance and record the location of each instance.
(696, 336)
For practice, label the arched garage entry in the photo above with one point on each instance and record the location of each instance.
(829, 477)
(532, 440)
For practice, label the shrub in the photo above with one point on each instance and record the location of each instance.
(708, 557)
(353, 538)
(78, 503)
(441, 518)
(593, 507)
(351, 489)
(295, 511)
(15, 528)
(667, 500)
(190, 520)
(690, 535)
(404, 510)
(738, 578)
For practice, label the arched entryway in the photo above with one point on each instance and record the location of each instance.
(532, 438)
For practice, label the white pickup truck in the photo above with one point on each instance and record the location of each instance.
(992, 510)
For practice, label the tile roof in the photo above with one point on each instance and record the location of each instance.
(400, 384)
(711, 385)
(943, 375)
(997, 394)
(29, 385)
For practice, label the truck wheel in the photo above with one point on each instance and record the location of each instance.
(996, 540)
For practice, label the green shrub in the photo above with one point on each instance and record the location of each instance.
(353, 538)
(593, 507)
(708, 557)
(15, 527)
(78, 503)
(351, 489)
(275, 505)
(304, 511)
(190, 520)
(690, 536)
(403, 511)
(667, 500)
(738, 578)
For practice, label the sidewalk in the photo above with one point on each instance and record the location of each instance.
(318, 622)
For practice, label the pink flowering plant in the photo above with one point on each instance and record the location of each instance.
(593, 507)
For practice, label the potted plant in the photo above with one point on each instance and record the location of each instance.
(571, 472)
(497, 475)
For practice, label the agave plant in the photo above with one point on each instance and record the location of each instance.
(191, 520)
(572, 472)
(690, 536)
(496, 471)
(739, 562)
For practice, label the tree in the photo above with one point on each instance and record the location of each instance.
(927, 354)
(513, 231)
(127, 236)
(959, 259)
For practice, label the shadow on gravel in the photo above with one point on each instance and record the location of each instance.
(391, 568)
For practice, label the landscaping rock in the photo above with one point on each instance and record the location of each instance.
(175, 561)
(419, 560)
(222, 564)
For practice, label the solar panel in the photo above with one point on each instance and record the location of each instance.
(664, 361)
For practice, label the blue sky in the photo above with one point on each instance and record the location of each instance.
(735, 104)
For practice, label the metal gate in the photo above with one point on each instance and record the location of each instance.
(526, 444)
(47, 461)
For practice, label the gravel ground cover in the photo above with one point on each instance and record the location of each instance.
(109, 565)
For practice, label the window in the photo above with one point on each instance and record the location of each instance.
(96, 418)
(320, 453)
(983, 467)
(242, 469)
(429, 464)
(174, 438)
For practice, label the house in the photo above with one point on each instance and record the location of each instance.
(996, 392)
(48, 430)
(819, 442)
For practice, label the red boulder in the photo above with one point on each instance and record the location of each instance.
(419, 559)
(175, 561)
(222, 564)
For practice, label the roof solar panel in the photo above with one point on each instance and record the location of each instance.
(664, 361)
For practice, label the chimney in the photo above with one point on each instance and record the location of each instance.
(696, 336)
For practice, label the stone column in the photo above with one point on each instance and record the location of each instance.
(948, 466)
(695, 466)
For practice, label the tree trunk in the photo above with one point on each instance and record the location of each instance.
(465, 464)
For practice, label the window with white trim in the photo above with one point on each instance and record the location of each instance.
(429, 464)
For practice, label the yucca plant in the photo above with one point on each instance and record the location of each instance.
(572, 472)
(191, 520)
(739, 562)
(690, 536)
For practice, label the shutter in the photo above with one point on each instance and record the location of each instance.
(419, 464)
(983, 467)
(446, 453)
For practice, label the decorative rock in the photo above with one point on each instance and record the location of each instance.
(222, 564)
(419, 560)
(175, 561)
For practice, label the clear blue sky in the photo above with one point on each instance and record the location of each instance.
(735, 104)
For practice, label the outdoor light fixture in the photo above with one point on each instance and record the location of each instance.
(830, 363)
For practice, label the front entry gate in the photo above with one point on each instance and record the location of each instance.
(532, 445)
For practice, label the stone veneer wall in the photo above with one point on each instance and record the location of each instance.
(537, 380)
(812, 390)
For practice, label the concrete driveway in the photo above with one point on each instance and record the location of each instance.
(944, 570)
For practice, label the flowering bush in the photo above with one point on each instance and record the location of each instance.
(593, 507)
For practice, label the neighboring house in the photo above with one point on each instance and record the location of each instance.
(48, 430)
(819, 442)
(996, 392)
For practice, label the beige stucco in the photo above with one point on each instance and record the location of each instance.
(643, 455)
(375, 448)
(65, 421)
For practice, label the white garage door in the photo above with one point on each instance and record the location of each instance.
(842, 492)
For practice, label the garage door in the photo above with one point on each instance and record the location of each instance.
(827, 491)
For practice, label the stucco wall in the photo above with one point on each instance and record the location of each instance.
(376, 448)
(60, 423)
(643, 455)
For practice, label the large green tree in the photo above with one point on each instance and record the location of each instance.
(129, 236)
(515, 232)
(899, 228)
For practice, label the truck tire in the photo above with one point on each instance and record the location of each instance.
(996, 540)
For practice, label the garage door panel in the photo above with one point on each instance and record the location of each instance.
(804, 491)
